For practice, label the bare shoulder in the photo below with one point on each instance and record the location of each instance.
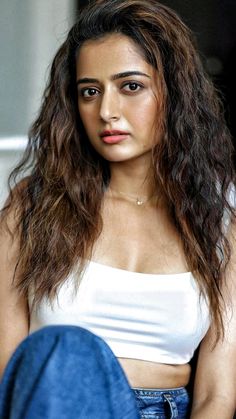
(13, 307)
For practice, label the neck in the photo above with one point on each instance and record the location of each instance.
(132, 179)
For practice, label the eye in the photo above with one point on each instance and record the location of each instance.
(132, 86)
(89, 92)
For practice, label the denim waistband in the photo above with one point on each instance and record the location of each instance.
(155, 392)
(162, 403)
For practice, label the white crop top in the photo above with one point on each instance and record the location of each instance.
(159, 318)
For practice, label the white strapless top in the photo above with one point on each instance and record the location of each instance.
(159, 318)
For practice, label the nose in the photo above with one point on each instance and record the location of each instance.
(110, 106)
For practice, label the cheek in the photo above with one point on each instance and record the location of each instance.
(145, 117)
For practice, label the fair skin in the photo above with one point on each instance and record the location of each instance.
(215, 381)
(113, 100)
(117, 103)
(14, 318)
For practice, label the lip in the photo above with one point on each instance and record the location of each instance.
(113, 136)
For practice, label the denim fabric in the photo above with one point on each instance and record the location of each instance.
(67, 372)
(162, 404)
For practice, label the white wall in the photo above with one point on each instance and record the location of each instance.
(30, 33)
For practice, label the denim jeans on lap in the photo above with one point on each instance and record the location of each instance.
(67, 372)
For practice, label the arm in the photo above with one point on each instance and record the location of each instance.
(215, 382)
(13, 308)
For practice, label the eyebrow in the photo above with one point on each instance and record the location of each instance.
(113, 77)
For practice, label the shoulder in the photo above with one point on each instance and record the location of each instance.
(8, 213)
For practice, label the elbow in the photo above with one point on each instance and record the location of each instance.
(215, 406)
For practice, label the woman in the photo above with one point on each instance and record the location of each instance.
(124, 226)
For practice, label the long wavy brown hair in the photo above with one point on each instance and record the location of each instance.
(58, 204)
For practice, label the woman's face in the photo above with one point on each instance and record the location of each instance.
(117, 98)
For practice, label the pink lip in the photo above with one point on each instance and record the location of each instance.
(113, 136)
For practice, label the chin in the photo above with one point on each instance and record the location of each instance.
(115, 154)
(115, 158)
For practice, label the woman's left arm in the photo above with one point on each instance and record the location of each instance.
(215, 381)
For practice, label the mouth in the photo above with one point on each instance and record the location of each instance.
(113, 136)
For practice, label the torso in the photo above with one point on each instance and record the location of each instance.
(145, 374)
(142, 239)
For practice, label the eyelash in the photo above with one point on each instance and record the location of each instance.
(87, 89)
(83, 91)
(139, 85)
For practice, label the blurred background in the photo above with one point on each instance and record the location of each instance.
(32, 30)
(30, 33)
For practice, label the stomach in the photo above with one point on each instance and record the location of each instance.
(146, 374)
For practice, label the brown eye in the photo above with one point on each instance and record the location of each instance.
(89, 92)
(132, 87)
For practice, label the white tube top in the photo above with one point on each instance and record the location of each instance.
(159, 318)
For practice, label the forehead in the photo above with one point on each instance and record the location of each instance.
(112, 53)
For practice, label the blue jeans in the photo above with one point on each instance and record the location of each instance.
(67, 372)
(162, 404)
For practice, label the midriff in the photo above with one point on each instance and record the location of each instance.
(145, 374)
